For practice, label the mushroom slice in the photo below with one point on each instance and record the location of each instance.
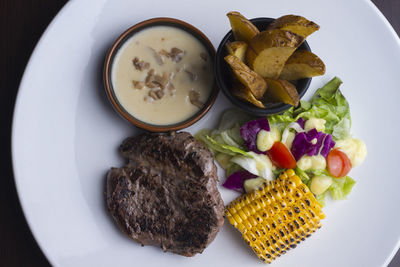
(162, 80)
(153, 85)
(140, 64)
(193, 76)
(159, 94)
(153, 95)
(176, 54)
(149, 76)
(194, 98)
(138, 84)
(164, 52)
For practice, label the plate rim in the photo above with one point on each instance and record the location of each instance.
(49, 257)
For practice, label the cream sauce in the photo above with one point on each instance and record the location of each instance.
(192, 73)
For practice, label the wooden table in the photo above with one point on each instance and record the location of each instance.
(22, 24)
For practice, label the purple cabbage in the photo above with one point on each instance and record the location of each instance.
(314, 148)
(236, 180)
(249, 133)
(301, 122)
(302, 144)
(327, 146)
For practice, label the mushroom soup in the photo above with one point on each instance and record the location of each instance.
(162, 75)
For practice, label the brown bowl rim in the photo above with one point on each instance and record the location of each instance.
(159, 21)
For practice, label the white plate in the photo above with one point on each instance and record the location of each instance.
(65, 133)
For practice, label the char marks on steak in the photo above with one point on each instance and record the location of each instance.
(167, 194)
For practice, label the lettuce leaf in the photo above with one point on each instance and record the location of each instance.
(221, 141)
(229, 139)
(202, 137)
(302, 174)
(223, 148)
(329, 104)
(232, 118)
(341, 187)
(231, 168)
(257, 164)
(321, 199)
(280, 121)
(227, 136)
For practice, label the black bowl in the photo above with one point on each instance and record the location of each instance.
(224, 76)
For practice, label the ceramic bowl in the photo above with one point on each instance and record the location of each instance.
(110, 57)
(224, 76)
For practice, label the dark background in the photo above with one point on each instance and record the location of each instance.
(22, 22)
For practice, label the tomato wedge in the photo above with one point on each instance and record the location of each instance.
(281, 156)
(339, 164)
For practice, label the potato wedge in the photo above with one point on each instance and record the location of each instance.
(281, 91)
(297, 24)
(242, 28)
(302, 64)
(269, 50)
(237, 49)
(240, 91)
(247, 77)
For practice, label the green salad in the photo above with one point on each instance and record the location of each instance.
(313, 139)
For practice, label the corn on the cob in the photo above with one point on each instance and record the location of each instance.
(276, 217)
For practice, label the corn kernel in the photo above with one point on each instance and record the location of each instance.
(277, 217)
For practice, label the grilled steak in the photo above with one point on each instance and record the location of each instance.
(166, 195)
